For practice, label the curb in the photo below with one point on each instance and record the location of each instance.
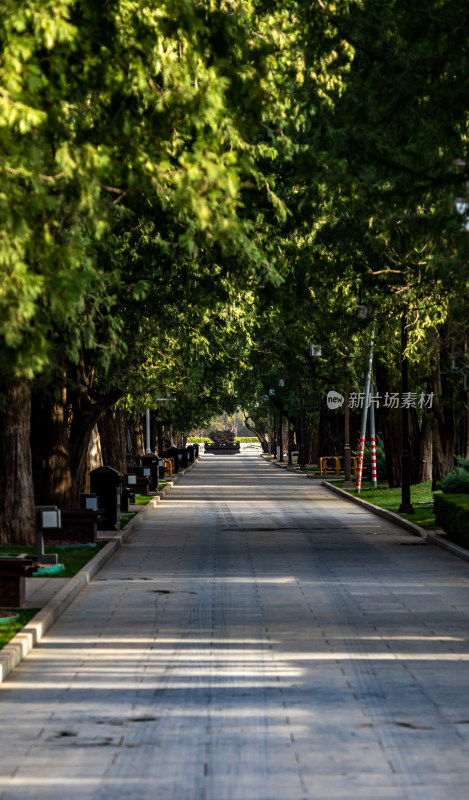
(282, 465)
(20, 645)
(416, 530)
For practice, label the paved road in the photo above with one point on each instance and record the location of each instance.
(258, 639)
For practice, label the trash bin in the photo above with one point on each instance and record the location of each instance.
(13, 572)
(196, 449)
(172, 452)
(191, 451)
(105, 482)
(127, 496)
(183, 457)
(150, 469)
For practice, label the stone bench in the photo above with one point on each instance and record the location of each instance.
(221, 447)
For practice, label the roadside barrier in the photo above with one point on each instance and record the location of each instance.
(324, 464)
(333, 463)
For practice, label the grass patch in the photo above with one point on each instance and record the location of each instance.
(72, 558)
(143, 499)
(125, 518)
(390, 499)
(162, 484)
(9, 629)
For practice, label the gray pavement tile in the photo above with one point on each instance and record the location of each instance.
(263, 641)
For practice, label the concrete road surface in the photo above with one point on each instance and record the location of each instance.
(259, 638)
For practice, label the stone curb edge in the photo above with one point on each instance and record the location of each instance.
(460, 552)
(433, 538)
(24, 641)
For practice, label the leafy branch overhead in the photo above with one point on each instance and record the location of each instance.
(193, 193)
(101, 106)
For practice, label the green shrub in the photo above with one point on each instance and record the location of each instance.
(452, 514)
(202, 439)
(457, 482)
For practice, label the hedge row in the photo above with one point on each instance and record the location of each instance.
(202, 439)
(452, 514)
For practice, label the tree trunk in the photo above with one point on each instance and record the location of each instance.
(94, 457)
(135, 441)
(466, 438)
(164, 437)
(391, 422)
(61, 430)
(331, 433)
(443, 431)
(426, 449)
(258, 429)
(309, 446)
(166, 434)
(111, 428)
(315, 448)
(52, 473)
(414, 445)
(392, 443)
(16, 483)
(85, 417)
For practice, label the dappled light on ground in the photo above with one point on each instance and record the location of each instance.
(256, 639)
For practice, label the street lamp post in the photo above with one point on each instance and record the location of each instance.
(406, 506)
(269, 443)
(275, 434)
(147, 431)
(347, 450)
(281, 383)
(272, 394)
(290, 444)
(365, 410)
(301, 448)
(280, 436)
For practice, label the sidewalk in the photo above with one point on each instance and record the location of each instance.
(258, 637)
(53, 595)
